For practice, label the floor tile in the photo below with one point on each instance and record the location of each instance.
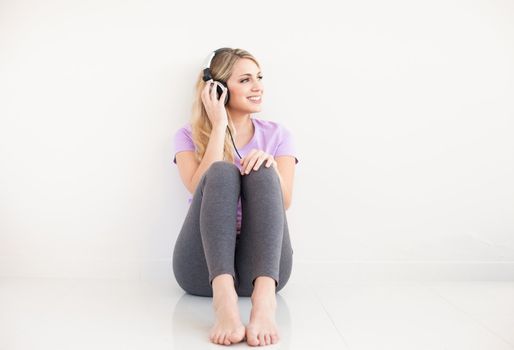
(111, 314)
(403, 316)
(490, 304)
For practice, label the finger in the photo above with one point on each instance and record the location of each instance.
(246, 159)
(249, 166)
(269, 162)
(211, 87)
(213, 91)
(259, 162)
(207, 86)
(223, 94)
(251, 163)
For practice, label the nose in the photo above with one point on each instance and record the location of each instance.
(257, 85)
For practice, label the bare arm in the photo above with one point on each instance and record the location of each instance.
(213, 153)
(190, 170)
(285, 171)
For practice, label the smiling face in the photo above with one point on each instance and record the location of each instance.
(245, 82)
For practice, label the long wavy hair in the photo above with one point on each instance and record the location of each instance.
(221, 69)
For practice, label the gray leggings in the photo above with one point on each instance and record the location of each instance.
(208, 245)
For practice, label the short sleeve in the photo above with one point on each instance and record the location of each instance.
(286, 146)
(183, 141)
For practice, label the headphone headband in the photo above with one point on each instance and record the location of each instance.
(207, 66)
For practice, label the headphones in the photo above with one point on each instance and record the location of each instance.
(208, 76)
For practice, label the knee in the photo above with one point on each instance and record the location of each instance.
(224, 170)
(263, 175)
(223, 174)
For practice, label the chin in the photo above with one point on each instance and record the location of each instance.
(249, 109)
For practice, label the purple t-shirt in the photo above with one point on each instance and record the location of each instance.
(270, 137)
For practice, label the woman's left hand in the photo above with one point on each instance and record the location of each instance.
(254, 159)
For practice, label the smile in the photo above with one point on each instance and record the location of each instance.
(255, 99)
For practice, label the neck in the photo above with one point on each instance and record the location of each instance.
(241, 122)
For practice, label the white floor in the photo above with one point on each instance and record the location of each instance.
(114, 314)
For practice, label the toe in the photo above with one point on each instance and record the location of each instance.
(268, 339)
(251, 339)
(262, 341)
(274, 339)
(227, 341)
(219, 338)
(235, 337)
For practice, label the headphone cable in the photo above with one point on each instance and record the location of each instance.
(233, 142)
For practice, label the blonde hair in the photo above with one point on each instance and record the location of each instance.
(221, 69)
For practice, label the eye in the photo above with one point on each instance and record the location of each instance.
(242, 81)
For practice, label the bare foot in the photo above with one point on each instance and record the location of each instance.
(228, 328)
(262, 329)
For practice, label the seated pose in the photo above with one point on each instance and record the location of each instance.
(239, 170)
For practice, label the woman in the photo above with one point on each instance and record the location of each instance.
(235, 240)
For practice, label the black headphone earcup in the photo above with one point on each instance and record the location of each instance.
(220, 91)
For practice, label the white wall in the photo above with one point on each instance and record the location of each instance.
(402, 111)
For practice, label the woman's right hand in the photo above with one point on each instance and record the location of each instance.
(215, 108)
